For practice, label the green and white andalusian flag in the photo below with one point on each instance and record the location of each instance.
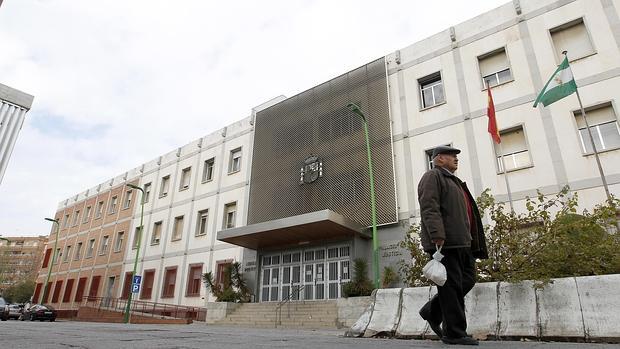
(561, 84)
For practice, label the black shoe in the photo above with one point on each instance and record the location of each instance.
(462, 340)
(435, 326)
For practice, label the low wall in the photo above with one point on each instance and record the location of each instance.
(577, 309)
(219, 310)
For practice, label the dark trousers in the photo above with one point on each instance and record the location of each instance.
(448, 305)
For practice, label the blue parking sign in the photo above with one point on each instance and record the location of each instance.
(137, 279)
(135, 288)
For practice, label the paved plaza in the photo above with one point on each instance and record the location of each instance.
(71, 334)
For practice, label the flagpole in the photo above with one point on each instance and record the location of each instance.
(598, 160)
(501, 151)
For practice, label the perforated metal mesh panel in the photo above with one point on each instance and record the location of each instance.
(318, 123)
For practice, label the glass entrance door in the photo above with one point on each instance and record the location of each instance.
(321, 271)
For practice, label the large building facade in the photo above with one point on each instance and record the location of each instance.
(14, 105)
(286, 192)
(20, 259)
(90, 240)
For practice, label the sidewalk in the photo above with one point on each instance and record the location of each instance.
(63, 334)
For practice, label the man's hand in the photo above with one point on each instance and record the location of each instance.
(438, 242)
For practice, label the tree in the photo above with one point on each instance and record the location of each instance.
(20, 292)
(549, 240)
(232, 288)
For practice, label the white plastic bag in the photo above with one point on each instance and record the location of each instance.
(434, 270)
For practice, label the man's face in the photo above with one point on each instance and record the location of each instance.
(449, 161)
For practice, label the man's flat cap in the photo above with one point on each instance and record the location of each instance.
(444, 149)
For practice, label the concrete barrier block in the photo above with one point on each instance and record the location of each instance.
(481, 310)
(359, 327)
(350, 309)
(411, 324)
(600, 304)
(517, 310)
(385, 313)
(559, 310)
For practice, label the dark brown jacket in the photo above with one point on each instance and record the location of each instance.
(444, 213)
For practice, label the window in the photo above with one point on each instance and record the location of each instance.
(46, 258)
(201, 226)
(127, 285)
(118, 244)
(177, 228)
(78, 252)
(207, 172)
(230, 213)
(603, 126)
(186, 174)
(221, 270)
(147, 192)
(137, 236)
(235, 161)
(68, 288)
(147, 284)
(76, 217)
(86, 214)
(429, 157)
(494, 68)
(572, 37)
(90, 249)
(194, 280)
(67, 253)
(156, 233)
(57, 257)
(99, 210)
(169, 281)
(127, 202)
(57, 288)
(103, 248)
(431, 90)
(66, 221)
(112, 207)
(165, 183)
(514, 146)
(79, 293)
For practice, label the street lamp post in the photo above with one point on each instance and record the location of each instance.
(49, 269)
(375, 248)
(138, 242)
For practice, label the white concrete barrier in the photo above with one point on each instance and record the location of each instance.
(481, 310)
(600, 306)
(411, 324)
(517, 310)
(386, 312)
(585, 308)
(559, 310)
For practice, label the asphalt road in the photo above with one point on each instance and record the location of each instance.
(72, 334)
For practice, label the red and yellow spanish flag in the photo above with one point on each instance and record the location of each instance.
(492, 128)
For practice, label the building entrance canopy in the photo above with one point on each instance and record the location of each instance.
(294, 231)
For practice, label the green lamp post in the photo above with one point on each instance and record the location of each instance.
(375, 248)
(138, 242)
(49, 269)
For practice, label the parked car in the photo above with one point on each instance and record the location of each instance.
(4, 310)
(39, 312)
(15, 311)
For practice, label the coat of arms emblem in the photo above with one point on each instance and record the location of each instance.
(311, 170)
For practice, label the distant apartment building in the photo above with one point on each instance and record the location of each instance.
(285, 191)
(14, 105)
(20, 259)
(88, 260)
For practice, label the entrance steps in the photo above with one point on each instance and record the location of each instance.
(296, 314)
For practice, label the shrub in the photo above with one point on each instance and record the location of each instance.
(360, 285)
(232, 287)
(389, 278)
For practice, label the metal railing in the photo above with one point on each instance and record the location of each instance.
(296, 291)
(147, 309)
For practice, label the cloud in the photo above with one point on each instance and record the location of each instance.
(118, 83)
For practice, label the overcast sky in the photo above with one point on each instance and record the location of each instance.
(118, 83)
